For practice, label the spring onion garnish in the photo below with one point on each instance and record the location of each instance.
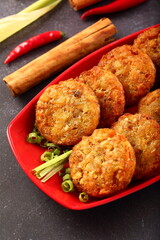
(67, 186)
(12, 24)
(46, 156)
(67, 177)
(36, 138)
(52, 172)
(83, 197)
(56, 151)
(51, 167)
(55, 157)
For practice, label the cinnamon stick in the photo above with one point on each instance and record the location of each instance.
(79, 4)
(60, 57)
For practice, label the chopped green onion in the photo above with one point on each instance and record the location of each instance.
(83, 197)
(34, 138)
(46, 156)
(66, 177)
(49, 144)
(56, 152)
(68, 170)
(67, 186)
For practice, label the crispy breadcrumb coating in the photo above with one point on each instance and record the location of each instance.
(149, 42)
(66, 112)
(103, 163)
(134, 69)
(143, 133)
(150, 105)
(109, 92)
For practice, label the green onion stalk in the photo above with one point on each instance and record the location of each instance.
(46, 170)
(11, 24)
(37, 5)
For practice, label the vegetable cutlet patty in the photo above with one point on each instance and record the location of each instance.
(149, 42)
(134, 69)
(150, 105)
(109, 92)
(143, 133)
(102, 164)
(67, 111)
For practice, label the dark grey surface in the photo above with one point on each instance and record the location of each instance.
(26, 213)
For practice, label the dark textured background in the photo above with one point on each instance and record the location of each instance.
(26, 213)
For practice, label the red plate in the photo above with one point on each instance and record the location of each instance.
(28, 155)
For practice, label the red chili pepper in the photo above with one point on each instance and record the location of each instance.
(32, 43)
(118, 5)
